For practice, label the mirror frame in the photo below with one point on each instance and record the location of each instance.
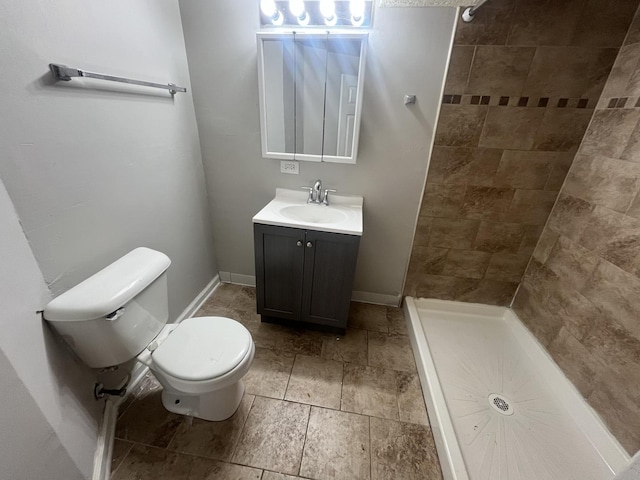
(261, 36)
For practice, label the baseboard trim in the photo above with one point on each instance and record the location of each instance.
(104, 448)
(197, 302)
(376, 298)
(238, 279)
(363, 297)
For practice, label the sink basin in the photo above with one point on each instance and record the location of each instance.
(289, 208)
(313, 213)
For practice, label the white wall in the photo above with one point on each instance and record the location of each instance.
(407, 54)
(95, 168)
(49, 418)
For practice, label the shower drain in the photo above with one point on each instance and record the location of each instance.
(500, 404)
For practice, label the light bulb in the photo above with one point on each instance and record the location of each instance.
(270, 10)
(327, 8)
(356, 7)
(328, 11)
(297, 8)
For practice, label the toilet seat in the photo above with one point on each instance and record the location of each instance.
(203, 348)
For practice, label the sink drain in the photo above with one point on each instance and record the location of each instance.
(500, 404)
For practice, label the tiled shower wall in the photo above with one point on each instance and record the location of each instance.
(523, 81)
(581, 293)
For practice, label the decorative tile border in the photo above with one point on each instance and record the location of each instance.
(515, 101)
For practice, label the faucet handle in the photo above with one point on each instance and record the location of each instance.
(325, 197)
(310, 192)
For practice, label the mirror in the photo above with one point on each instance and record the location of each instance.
(311, 95)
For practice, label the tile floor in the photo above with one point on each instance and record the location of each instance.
(316, 406)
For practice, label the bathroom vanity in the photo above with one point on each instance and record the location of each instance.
(306, 257)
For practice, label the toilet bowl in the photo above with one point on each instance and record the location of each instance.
(200, 365)
(121, 313)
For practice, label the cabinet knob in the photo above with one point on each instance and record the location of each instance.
(309, 244)
(299, 243)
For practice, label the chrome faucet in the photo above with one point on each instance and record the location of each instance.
(316, 195)
(317, 192)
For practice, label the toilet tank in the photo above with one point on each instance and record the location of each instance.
(113, 315)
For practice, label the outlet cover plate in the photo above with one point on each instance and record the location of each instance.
(291, 167)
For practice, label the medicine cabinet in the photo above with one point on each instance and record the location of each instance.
(311, 87)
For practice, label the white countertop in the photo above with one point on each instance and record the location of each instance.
(346, 208)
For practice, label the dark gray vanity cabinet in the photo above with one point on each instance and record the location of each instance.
(304, 275)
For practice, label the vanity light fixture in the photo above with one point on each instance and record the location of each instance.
(269, 9)
(297, 9)
(310, 14)
(356, 8)
(328, 11)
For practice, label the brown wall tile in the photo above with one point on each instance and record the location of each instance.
(490, 292)
(617, 293)
(570, 356)
(460, 125)
(459, 67)
(571, 262)
(524, 169)
(530, 239)
(507, 267)
(486, 203)
(499, 237)
(511, 128)
(427, 260)
(463, 166)
(561, 129)
(490, 26)
(618, 411)
(564, 71)
(499, 70)
(615, 237)
(609, 132)
(570, 216)
(449, 233)
(545, 245)
(466, 263)
(603, 181)
(624, 66)
(601, 25)
(442, 200)
(531, 207)
(544, 23)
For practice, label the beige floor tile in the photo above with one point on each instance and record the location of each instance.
(288, 339)
(216, 440)
(370, 391)
(269, 373)
(148, 463)
(315, 381)
(411, 405)
(224, 296)
(350, 347)
(273, 436)
(396, 321)
(120, 450)
(337, 446)
(205, 469)
(147, 421)
(277, 476)
(391, 351)
(402, 450)
(368, 317)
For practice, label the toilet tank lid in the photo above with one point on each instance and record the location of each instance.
(110, 288)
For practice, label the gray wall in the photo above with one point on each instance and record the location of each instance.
(94, 168)
(49, 417)
(406, 54)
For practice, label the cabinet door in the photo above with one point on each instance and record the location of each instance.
(279, 262)
(329, 268)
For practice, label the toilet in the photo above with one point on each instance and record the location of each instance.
(121, 313)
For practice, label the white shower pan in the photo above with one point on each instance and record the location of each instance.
(499, 407)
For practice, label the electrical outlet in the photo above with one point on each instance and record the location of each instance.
(291, 167)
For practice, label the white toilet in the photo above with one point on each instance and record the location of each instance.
(121, 312)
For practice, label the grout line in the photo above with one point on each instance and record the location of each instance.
(244, 424)
(123, 458)
(304, 443)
